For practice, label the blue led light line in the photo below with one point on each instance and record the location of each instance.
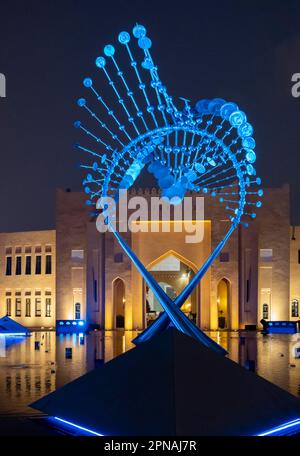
(279, 430)
(206, 147)
(76, 426)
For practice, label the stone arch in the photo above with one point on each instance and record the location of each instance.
(224, 303)
(119, 302)
(172, 282)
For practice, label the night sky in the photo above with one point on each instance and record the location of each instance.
(245, 51)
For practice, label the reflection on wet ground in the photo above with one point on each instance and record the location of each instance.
(34, 366)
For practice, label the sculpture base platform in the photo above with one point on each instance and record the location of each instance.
(172, 386)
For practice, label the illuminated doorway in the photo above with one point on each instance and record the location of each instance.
(119, 302)
(172, 273)
(223, 300)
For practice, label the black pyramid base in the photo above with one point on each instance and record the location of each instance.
(172, 385)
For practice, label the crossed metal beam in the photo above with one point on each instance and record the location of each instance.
(172, 312)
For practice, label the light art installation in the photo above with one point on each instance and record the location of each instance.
(134, 123)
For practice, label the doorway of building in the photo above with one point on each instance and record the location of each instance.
(172, 274)
(223, 303)
(119, 302)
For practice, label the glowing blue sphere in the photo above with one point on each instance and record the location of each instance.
(215, 105)
(245, 130)
(200, 168)
(100, 62)
(237, 118)
(109, 50)
(211, 161)
(147, 64)
(139, 31)
(87, 82)
(166, 182)
(124, 37)
(250, 170)
(249, 142)
(258, 204)
(250, 156)
(260, 192)
(202, 106)
(81, 102)
(77, 124)
(227, 109)
(145, 42)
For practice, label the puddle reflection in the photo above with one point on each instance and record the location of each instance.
(31, 367)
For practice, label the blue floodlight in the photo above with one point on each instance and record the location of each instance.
(207, 147)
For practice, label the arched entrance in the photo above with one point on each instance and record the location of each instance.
(173, 273)
(119, 302)
(223, 301)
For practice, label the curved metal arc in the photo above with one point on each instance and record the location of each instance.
(162, 321)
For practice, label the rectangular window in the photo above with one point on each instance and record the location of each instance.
(38, 307)
(48, 264)
(48, 307)
(224, 257)
(18, 265)
(265, 311)
(247, 290)
(8, 251)
(77, 311)
(48, 249)
(38, 249)
(38, 264)
(28, 265)
(299, 256)
(8, 307)
(295, 308)
(18, 250)
(266, 255)
(118, 258)
(18, 307)
(28, 307)
(77, 255)
(8, 265)
(27, 249)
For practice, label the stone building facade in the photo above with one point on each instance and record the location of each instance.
(27, 277)
(256, 276)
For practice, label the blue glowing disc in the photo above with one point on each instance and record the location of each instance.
(237, 118)
(124, 37)
(109, 50)
(100, 62)
(139, 31)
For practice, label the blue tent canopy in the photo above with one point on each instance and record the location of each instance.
(8, 326)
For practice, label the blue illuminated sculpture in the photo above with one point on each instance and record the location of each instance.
(207, 148)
